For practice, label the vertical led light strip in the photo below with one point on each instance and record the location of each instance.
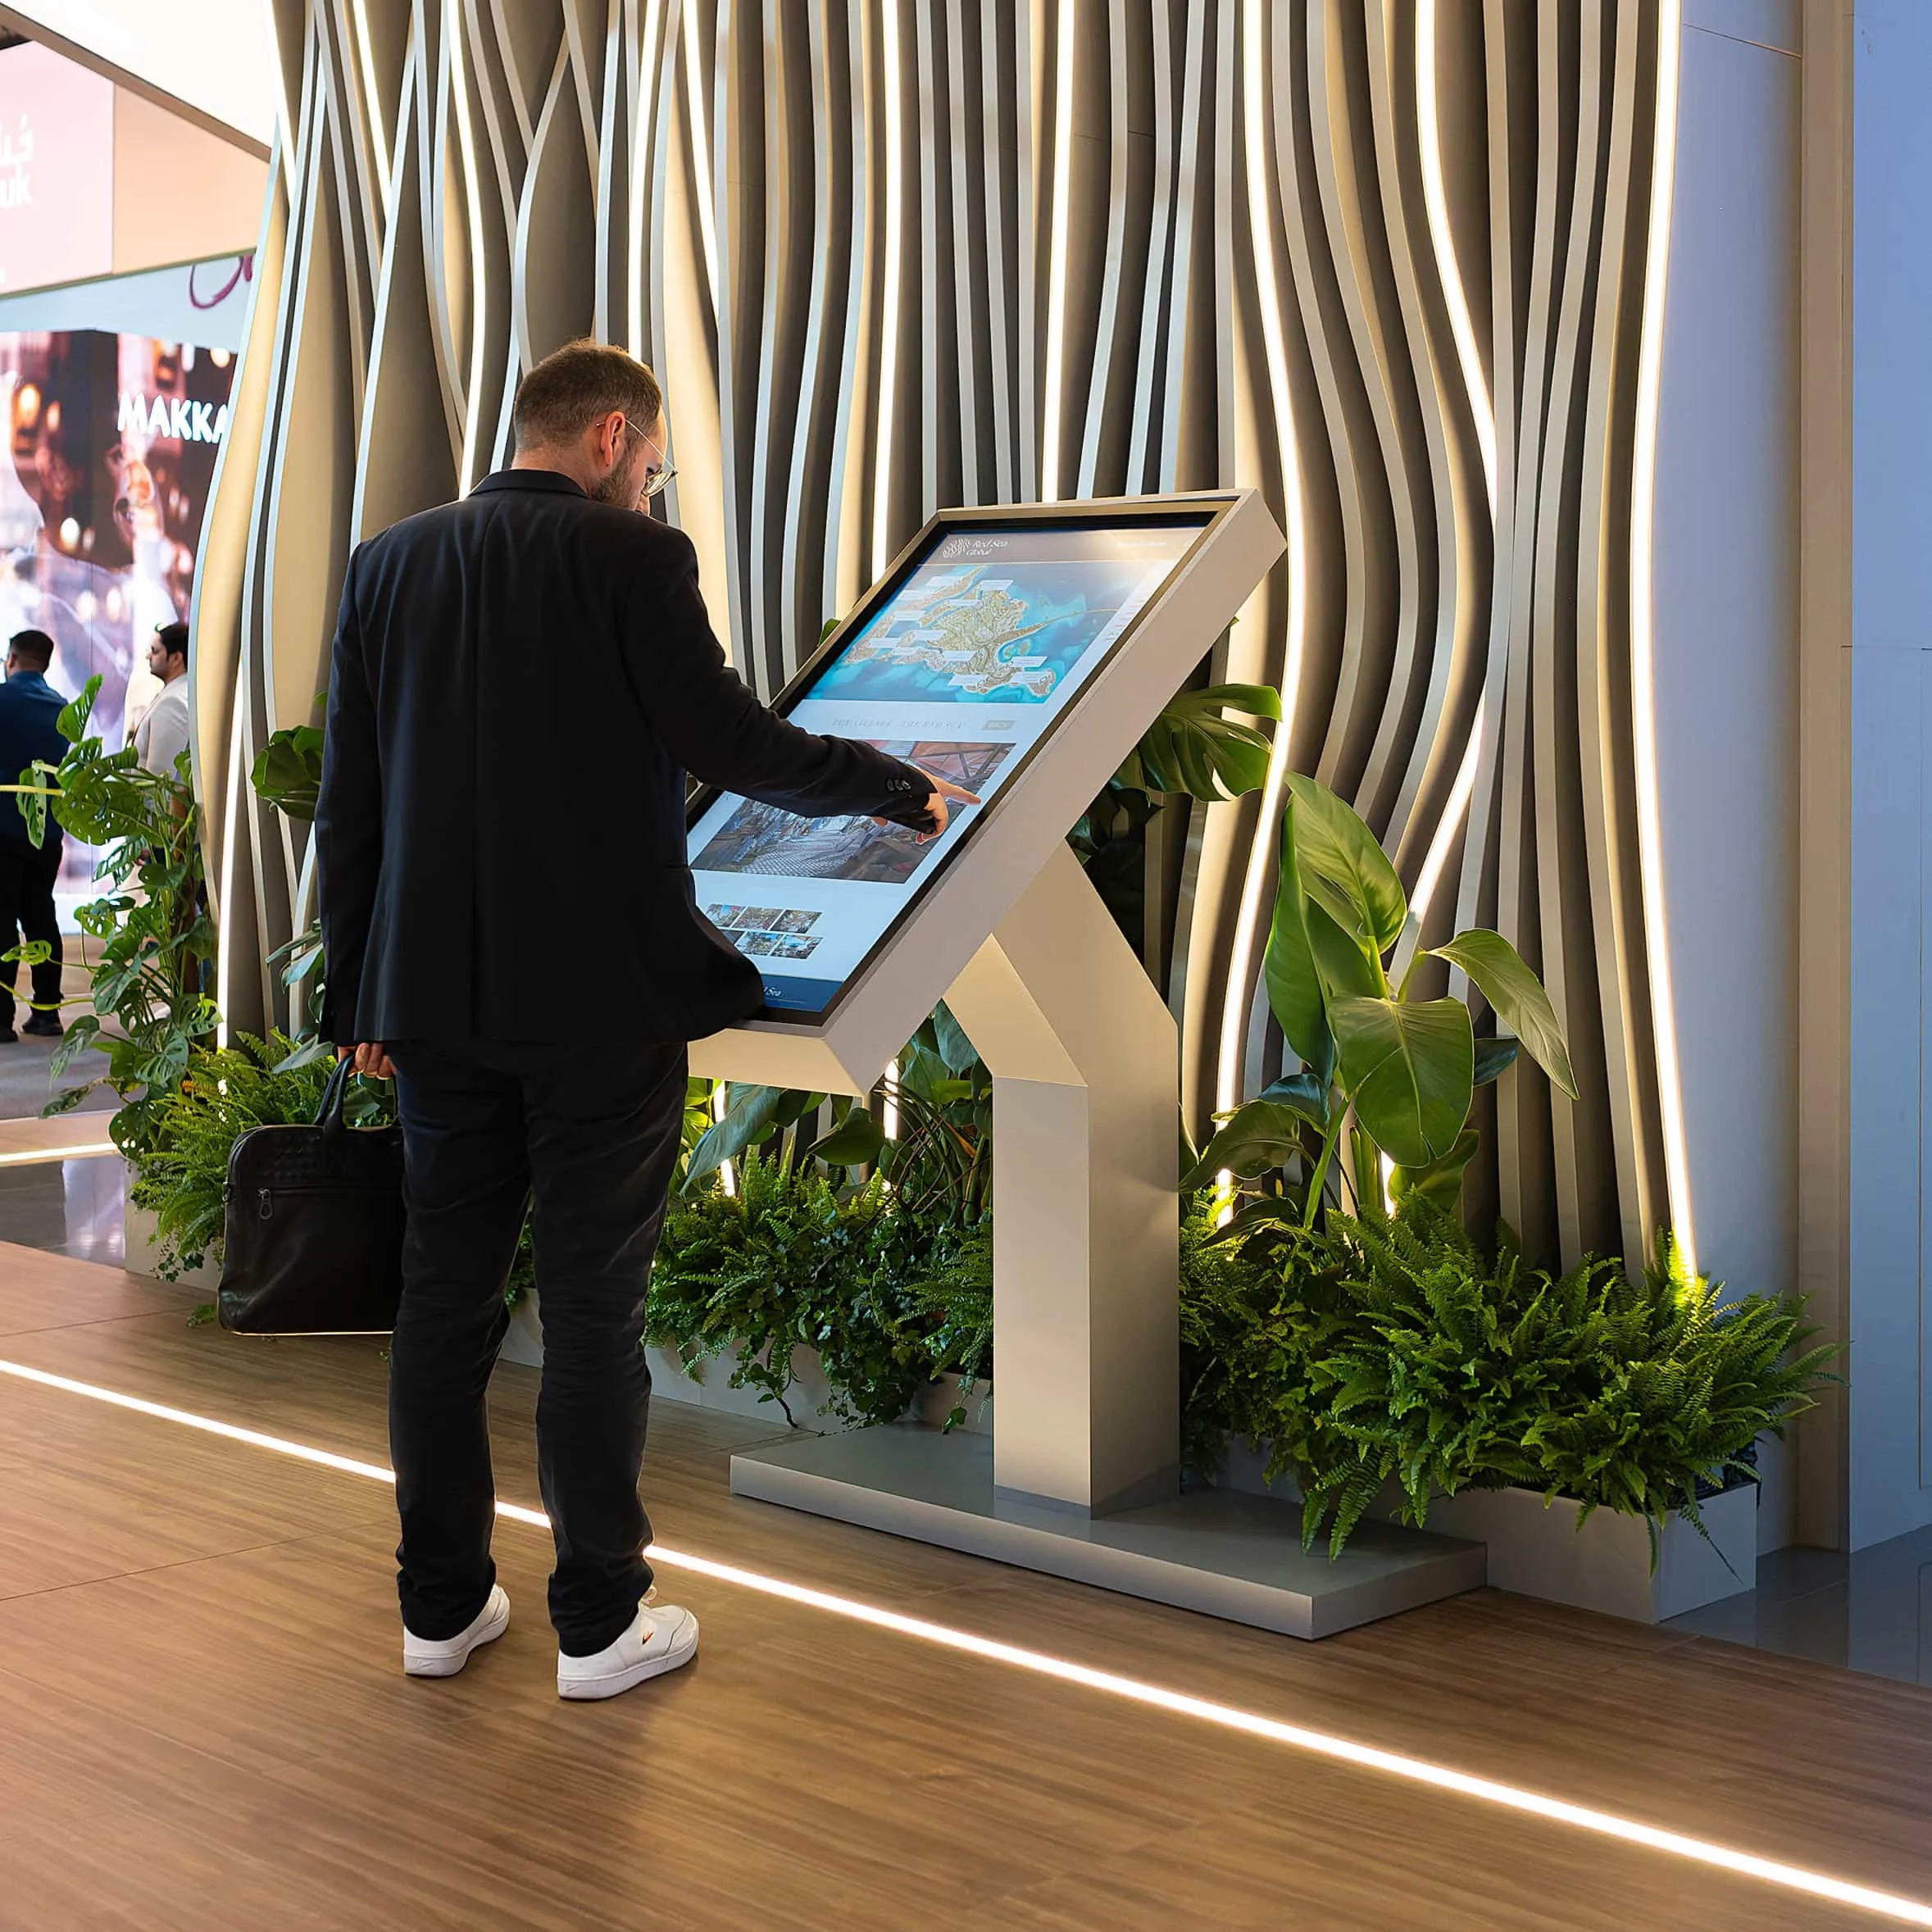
(888, 293)
(231, 810)
(1057, 260)
(452, 27)
(640, 149)
(1437, 855)
(1260, 854)
(1643, 629)
(707, 225)
(365, 60)
(721, 1105)
(1442, 239)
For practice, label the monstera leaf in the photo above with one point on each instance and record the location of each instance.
(1193, 747)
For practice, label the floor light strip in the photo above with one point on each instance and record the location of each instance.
(1415, 1771)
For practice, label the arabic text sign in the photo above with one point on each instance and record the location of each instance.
(56, 171)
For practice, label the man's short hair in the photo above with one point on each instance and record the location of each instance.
(174, 639)
(572, 387)
(34, 648)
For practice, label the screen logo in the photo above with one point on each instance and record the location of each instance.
(172, 416)
(973, 546)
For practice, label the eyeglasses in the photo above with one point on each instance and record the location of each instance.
(659, 474)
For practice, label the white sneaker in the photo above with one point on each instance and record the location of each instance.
(663, 1638)
(421, 1658)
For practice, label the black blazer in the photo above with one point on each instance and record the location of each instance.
(520, 682)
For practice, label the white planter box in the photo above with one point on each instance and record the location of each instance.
(138, 1251)
(711, 1387)
(1539, 1551)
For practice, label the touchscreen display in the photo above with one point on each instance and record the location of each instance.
(962, 669)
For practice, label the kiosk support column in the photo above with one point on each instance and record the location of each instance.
(1086, 1103)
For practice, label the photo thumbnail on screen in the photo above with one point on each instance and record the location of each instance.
(764, 838)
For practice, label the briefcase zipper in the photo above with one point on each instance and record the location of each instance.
(264, 1196)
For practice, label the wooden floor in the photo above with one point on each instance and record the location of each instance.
(204, 1723)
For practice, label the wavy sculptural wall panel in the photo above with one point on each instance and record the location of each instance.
(1396, 262)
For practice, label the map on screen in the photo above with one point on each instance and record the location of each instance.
(962, 670)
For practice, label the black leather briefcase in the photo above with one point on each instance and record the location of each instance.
(314, 1243)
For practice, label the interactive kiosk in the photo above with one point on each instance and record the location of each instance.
(1022, 651)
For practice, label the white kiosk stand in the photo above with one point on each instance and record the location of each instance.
(1081, 1476)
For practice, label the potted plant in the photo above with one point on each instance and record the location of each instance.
(1379, 1361)
(149, 1012)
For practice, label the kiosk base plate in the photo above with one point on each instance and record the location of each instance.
(1217, 1551)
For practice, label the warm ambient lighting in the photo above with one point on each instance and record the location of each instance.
(1261, 858)
(1643, 640)
(1437, 855)
(1324, 1744)
(1056, 344)
(365, 59)
(707, 225)
(640, 152)
(46, 1155)
(889, 291)
(459, 87)
(1442, 238)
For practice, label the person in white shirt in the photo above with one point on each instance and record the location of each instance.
(161, 736)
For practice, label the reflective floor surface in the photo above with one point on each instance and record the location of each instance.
(69, 1207)
(1870, 1611)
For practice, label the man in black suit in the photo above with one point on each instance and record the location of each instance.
(521, 682)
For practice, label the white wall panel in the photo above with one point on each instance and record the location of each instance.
(1385, 258)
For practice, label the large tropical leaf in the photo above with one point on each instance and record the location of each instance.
(1441, 1181)
(288, 772)
(1260, 1136)
(1494, 1058)
(1305, 1091)
(1344, 866)
(1287, 966)
(951, 1043)
(35, 782)
(1410, 1071)
(1193, 747)
(856, 1141)
(1496, 970)
(751, 1115)
(1346, 969)
(72, 722)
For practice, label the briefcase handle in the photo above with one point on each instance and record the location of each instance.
(329, 1116)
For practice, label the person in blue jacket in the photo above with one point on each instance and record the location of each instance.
(28, 707)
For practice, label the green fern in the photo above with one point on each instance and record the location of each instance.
(887, 1298)
(1396, 1355)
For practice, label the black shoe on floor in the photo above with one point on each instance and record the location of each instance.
(8, 1037)
(44, 1026)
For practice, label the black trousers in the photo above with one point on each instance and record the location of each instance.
(588, 1135)
(27, 878)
